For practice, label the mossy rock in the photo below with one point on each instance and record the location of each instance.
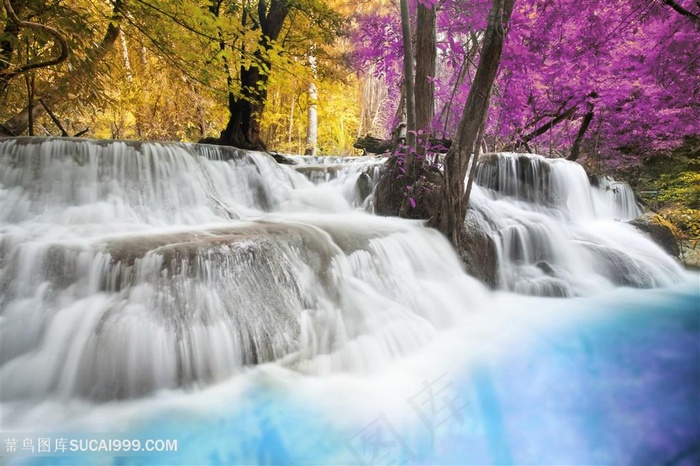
(687, 221)
(659, 230)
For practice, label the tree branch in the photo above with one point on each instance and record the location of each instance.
(53, 117)
(682, 11)
(63, 55)
(547, 126)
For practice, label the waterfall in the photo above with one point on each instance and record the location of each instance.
(619, 196)
(556, 235)
(355, 177)
(127, 268)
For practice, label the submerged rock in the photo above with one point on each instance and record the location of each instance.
(658, 230)
(619, 267)
(546, 268)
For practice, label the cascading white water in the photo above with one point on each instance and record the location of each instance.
(128, 268)
(556, 235)
(355, 177)
(618, 195)
(132, 267)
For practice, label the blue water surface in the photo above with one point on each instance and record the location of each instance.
(623, 388)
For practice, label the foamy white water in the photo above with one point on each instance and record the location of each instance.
(557, 235)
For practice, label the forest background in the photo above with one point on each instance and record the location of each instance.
(612, 84)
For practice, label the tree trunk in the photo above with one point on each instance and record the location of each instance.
(461, 74)
(312, 121)
(426, 54)
(449, 218)
(576, 147)
(420, 108)
(401, 107)
(409, 83)
(290, 128)
(243, 127)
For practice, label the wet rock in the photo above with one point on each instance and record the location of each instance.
(618, 267)
(364, 185)
(282, 159)
(546, 268)
(184, 250)
(478, 250)
(690, 254)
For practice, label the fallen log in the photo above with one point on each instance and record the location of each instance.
(372, 145)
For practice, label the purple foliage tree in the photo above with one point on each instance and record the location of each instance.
(609, 81)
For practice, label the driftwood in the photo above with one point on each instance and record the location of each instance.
(374, 145)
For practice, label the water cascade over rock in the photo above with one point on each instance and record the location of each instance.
(620, 197)
(556, 235)
(356, 177)
(128, 268)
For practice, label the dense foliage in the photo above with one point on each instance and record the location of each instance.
(155, 69)
(632, 67)
(610, 81)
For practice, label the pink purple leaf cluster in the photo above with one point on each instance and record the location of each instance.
(634, 66)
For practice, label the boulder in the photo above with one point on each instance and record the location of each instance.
(478, 251)
(659, 230)
(364, 185)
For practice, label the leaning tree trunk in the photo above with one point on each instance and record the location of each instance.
(540, 130)
(585, 123)
(449, 218)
